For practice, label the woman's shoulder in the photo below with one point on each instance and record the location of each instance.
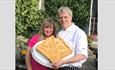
(36, 35)
(35, 38)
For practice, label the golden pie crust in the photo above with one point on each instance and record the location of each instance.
(54, 49)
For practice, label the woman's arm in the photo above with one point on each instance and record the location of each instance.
(31, 42)
(28, 59)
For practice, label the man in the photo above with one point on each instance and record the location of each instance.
(77, 40)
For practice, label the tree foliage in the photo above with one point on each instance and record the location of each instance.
(29, 18)
(80, 8)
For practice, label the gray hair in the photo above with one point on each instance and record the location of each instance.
(67, 9)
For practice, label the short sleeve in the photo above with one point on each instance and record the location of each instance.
(32, 41)
(82, 45)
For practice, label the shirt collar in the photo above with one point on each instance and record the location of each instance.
(71, 27)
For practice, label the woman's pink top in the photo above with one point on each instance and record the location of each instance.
(35, 65)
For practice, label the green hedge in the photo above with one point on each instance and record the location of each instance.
(80, 8)
(29, 18)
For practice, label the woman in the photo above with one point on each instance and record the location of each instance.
(47, 29)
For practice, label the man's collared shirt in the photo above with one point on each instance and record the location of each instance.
(77, 41)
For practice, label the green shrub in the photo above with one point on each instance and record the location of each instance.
(28, 17)
(80, 8)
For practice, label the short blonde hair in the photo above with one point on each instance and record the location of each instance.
(67, 9)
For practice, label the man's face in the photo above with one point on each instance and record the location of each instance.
(65, 19)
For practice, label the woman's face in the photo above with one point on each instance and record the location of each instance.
(48, 30)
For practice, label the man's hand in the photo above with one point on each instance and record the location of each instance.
(58, 64)
(74, 59)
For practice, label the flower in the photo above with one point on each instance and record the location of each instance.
(21, 49)
(23, 52)
(92, 39)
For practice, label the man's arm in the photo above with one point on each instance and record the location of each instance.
(76, 58)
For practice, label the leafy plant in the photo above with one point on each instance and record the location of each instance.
(28, 17)
(80, 8)
(92, 39)
(21, 49)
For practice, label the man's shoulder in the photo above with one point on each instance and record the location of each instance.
(79, 31)
(59, 32)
